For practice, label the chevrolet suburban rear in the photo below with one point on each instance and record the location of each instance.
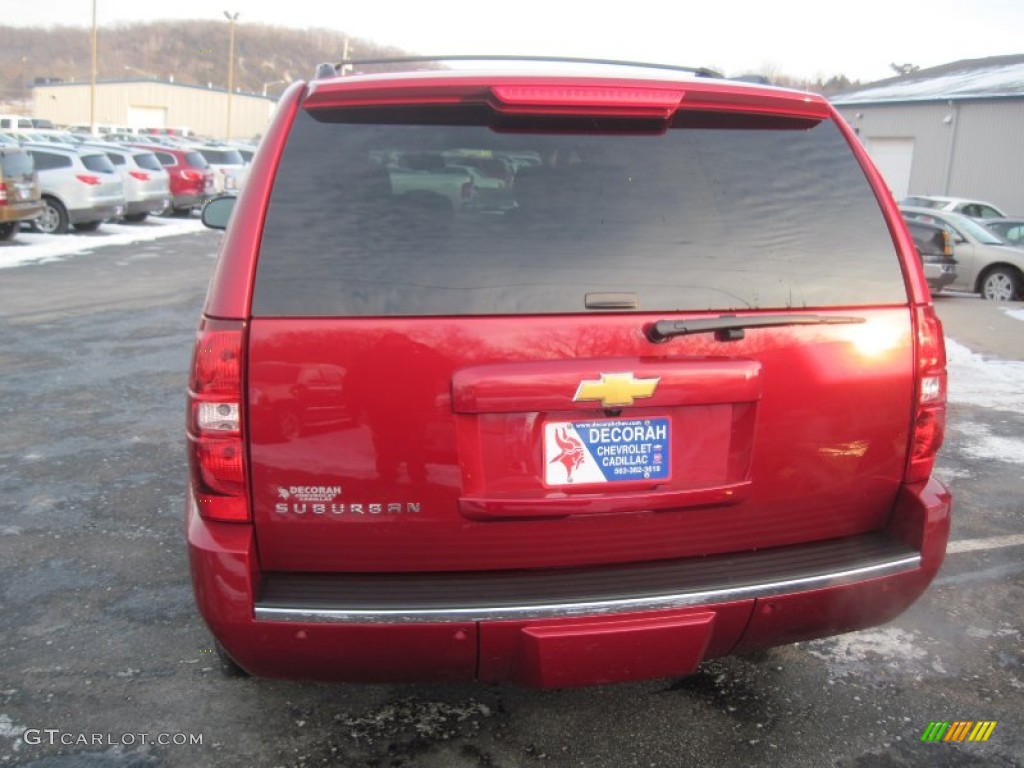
(679, 397)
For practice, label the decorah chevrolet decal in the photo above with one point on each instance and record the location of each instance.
(614, 389)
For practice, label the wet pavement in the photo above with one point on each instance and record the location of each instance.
(106, 664)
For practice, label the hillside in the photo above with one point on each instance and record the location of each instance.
(196, 52)
(193, 52)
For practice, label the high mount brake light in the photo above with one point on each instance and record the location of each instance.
(216, 450)
(930, 407)
(630, 101)
(3, 194)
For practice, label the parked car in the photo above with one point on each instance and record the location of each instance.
(247, 149)
(975, 209)
(80, 188)
(52, 136)
(1010, 230)
(228, 168)
(422, 179)
(15, 122)
(147, 186)
(935, 247)
(20, 195)
(192, 181)
(985, 263)
(490, 191)
(654, 413)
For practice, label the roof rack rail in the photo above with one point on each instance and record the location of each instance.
(332, 70)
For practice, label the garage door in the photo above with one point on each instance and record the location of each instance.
(894, 158)
(147, 117)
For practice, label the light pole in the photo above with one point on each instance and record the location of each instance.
(232, 18)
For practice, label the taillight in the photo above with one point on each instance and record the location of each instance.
(216, 450)
(85, 178)
(587, 99)
(930, 411)
(139, 175)
(3, 194)
(191, 175)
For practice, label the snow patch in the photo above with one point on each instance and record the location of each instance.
(982, 444)
(861, 653)
(973, 380)
(1016, 314)
(8, 729)
(31, 248)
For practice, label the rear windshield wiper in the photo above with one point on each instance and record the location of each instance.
(731, 327)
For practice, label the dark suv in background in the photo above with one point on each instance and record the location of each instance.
(678, 395)
(934, 245)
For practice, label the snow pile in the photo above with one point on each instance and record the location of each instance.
(31, 248)
(973, 380)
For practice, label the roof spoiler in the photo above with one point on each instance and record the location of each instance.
(333, 70)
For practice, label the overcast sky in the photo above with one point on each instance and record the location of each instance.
(801, 38)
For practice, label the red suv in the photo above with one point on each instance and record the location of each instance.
(679, 397)
(192, 181)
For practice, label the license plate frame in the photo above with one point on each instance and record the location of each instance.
(606, 451)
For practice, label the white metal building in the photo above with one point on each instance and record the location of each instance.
(957, 129)
(148, 103)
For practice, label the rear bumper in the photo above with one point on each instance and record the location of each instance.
(576, 627)
(148, 202)
(101, 212)
(183, 200)
(21, 211)
(940, 274)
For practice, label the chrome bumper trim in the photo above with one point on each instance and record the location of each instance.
(410, 614)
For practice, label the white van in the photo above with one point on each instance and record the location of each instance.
(15, 122)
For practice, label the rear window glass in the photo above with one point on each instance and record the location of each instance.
(196, 160)
(222, 156)
(46, 161)
(148, 161)
(16, 163)
(957, 226)
(116, 159)
(98, 163)
(371, 214)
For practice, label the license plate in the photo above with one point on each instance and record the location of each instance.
(606, 451)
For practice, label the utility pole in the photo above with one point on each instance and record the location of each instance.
(232, 18)
(92, 75)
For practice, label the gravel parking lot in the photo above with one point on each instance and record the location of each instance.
(105, 662)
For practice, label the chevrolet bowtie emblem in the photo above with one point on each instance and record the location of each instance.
(614, 389)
